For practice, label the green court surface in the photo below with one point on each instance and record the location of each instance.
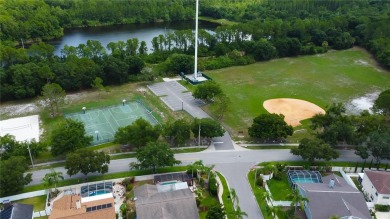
(102, 123)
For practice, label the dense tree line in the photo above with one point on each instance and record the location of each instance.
(46, 19)
(315, 24)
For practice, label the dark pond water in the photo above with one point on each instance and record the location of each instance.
(107, 34)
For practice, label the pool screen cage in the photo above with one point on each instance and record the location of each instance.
(295, 176)
(94, 189)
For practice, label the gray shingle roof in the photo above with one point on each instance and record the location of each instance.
(17, 211)
(380, 180)
(342, 199)
(151, 204)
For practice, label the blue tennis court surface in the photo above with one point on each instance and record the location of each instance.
(102, 123)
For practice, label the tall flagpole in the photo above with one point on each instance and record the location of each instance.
(196, 41)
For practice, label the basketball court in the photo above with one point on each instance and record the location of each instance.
(103, 123)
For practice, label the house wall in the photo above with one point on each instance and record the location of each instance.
(307, 209)
(372, 194)
(383, 199)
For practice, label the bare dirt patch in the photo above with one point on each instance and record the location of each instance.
(294, 110)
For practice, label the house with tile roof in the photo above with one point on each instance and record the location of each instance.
(75, 207)
(334, 196)
(151, 202)
(376, 186)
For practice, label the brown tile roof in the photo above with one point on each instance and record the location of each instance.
(65, 207)
(380, 180)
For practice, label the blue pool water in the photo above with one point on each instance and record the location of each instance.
(167, 183)
(99, 192)
(305, 180)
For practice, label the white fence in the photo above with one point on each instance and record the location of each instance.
(23, 196)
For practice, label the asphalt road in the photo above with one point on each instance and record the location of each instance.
(233, 164)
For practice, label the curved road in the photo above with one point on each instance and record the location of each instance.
(233, 164)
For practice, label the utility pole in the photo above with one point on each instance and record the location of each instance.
(196, 41)
(29, 152)
(199, 135)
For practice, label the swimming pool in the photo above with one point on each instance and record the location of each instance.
(303, 180)
(98, 192)
(303, 176)
(168, 183)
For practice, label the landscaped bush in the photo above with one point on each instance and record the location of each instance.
(198, 201)
(259, 181)
(213, 186)
(201, 182)
(129, 187)
(382, 208)
(127, 181)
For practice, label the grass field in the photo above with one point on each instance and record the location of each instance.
(337, 76)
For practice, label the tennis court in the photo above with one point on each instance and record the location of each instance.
(102, 123)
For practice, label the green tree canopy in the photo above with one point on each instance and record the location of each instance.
(52, 97)
(9, 147)
(138, 133)
(379, 145)
(178, 132)
(12, 178)
(207, 91)
(178, 63)
(155, 155)
(209, 128)
(220, 105)
(334, 126)
(382, 103)
(69, 136)
(216, 212)
(270, 126)
(87, 161)
(312, 149)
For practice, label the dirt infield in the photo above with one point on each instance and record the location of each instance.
(294, 110)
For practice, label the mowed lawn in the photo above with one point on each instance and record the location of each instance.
(337, 76)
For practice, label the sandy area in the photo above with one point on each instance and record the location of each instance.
(294, 110)
(23, 128)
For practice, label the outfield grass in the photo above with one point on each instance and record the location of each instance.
(337, 76)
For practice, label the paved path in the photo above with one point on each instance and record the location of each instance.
(177, 97)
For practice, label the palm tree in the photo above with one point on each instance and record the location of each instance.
(238, 214)
(234, 197)
(298, 198)
(52, 178)
(273, 210)
(197, 165)
(267, 197)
